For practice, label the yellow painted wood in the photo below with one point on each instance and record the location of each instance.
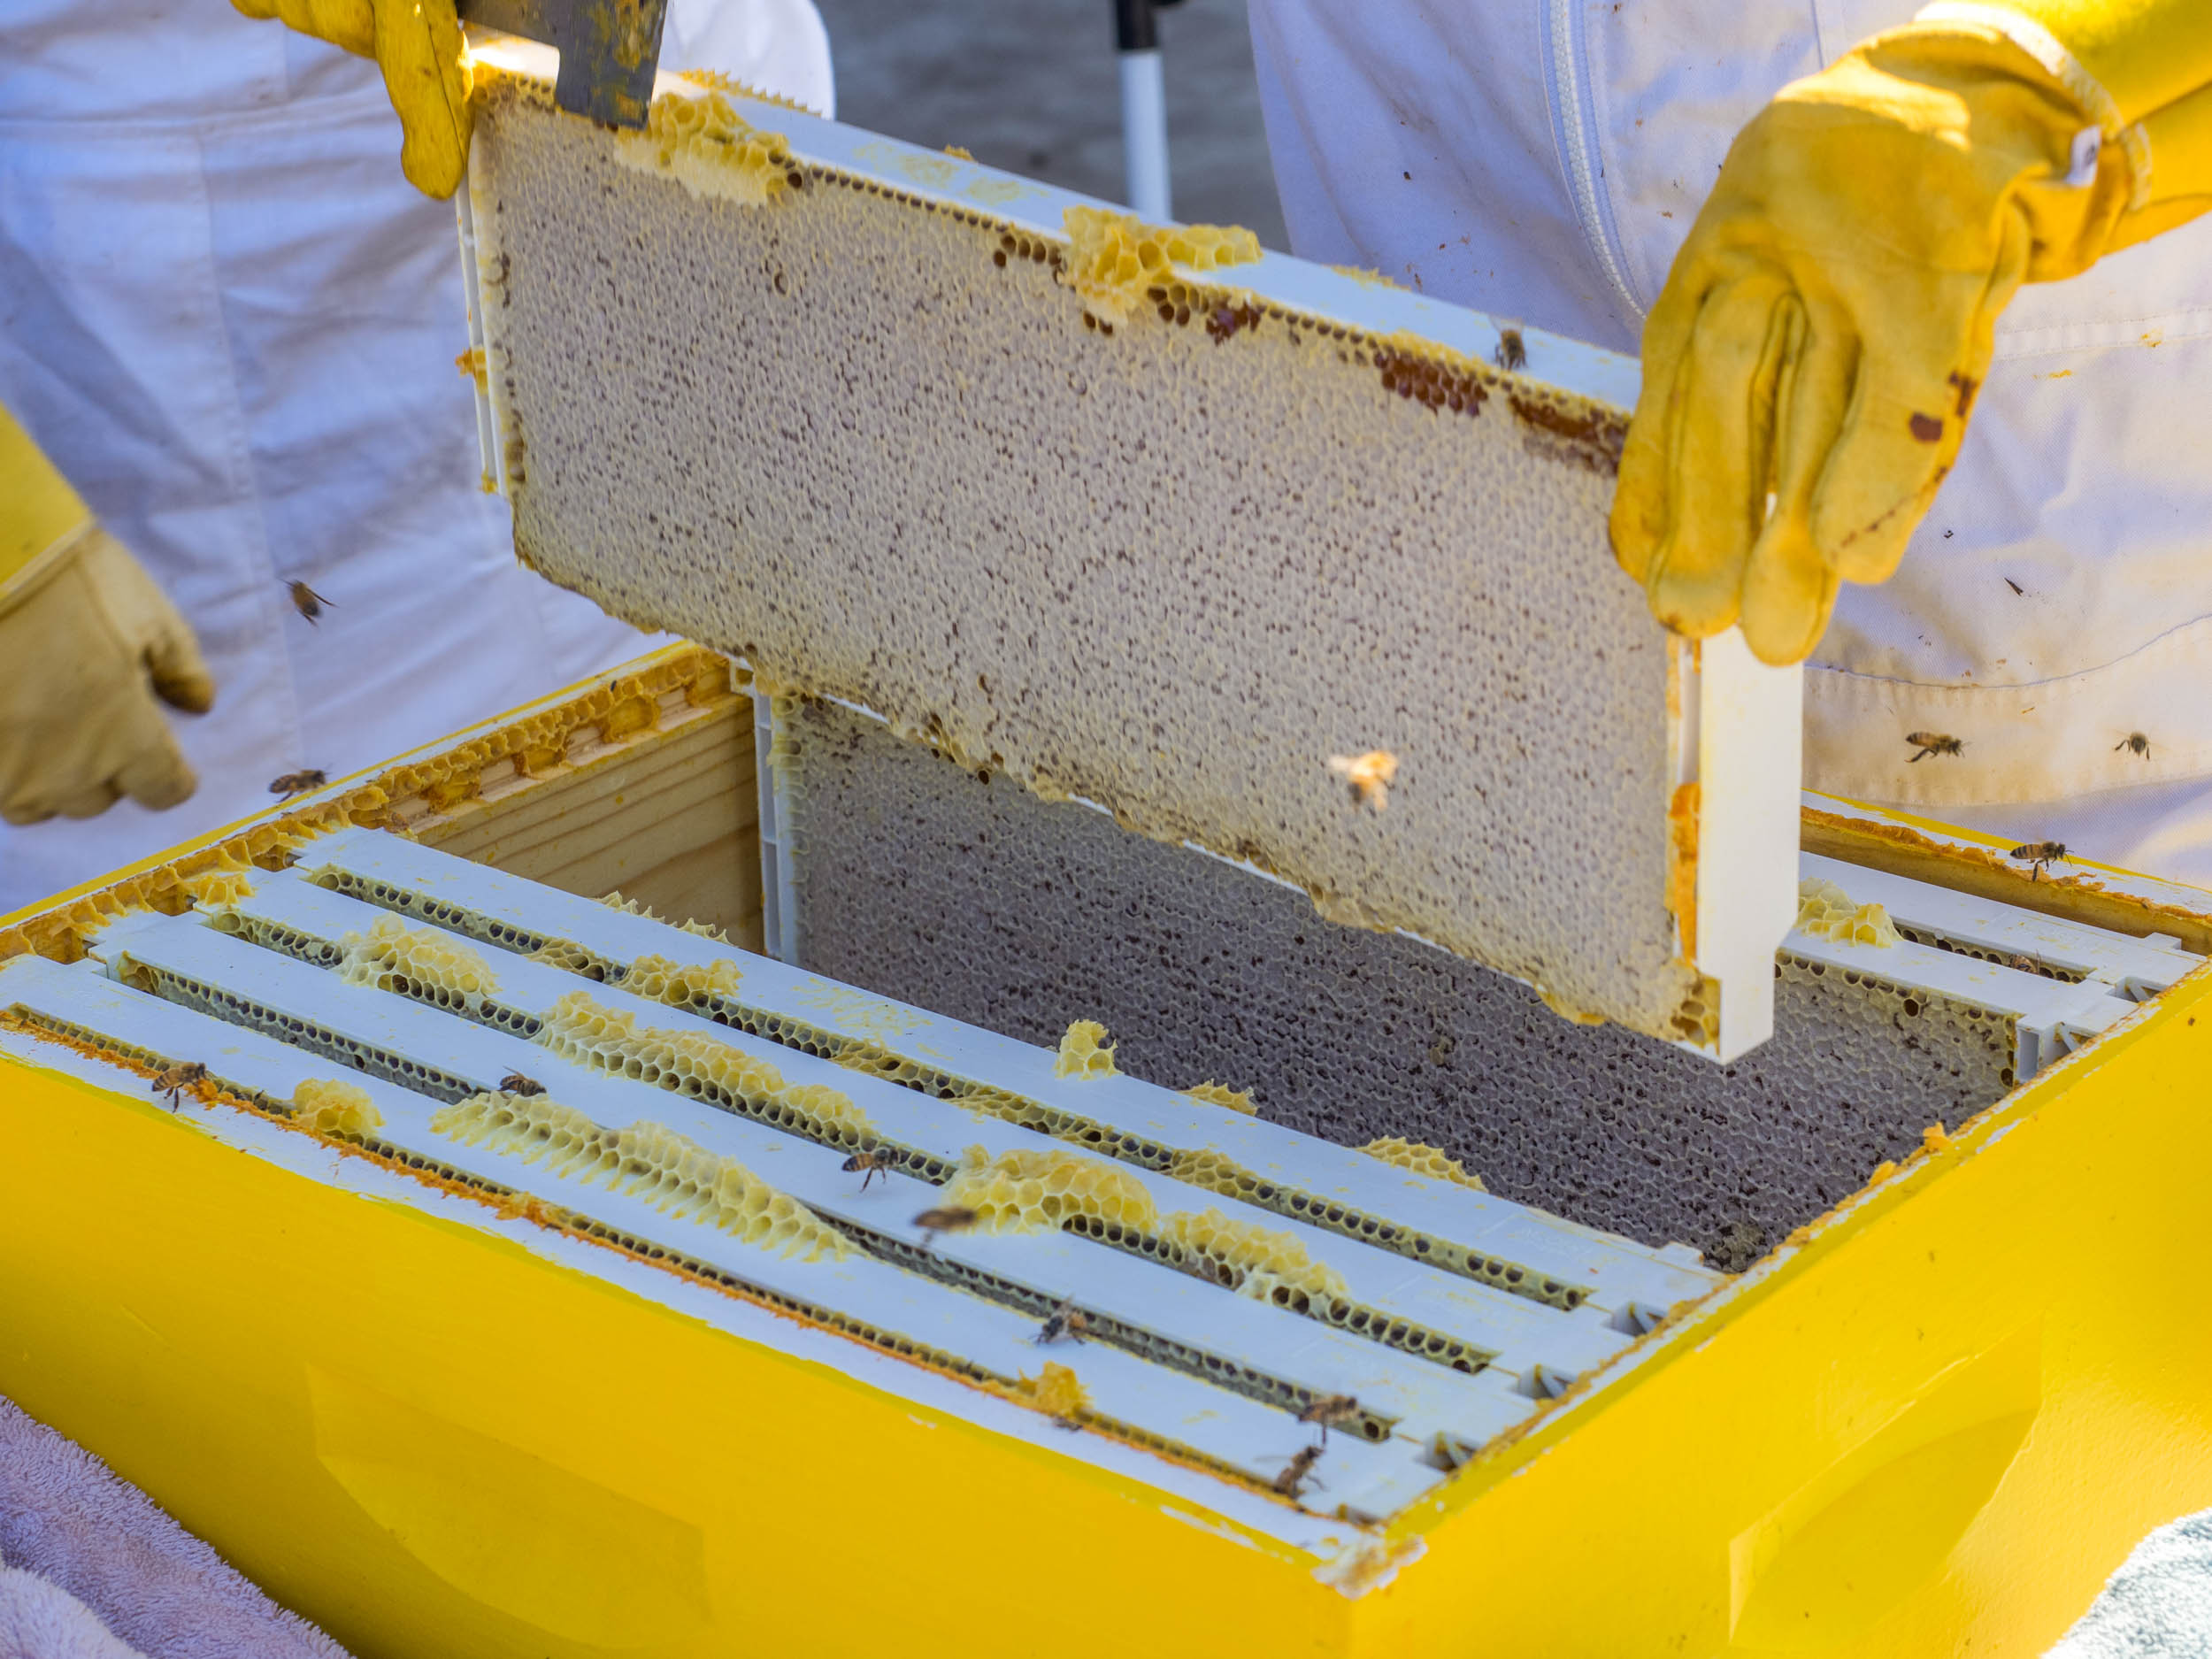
(1934, 1429)
(1932, 1426)
(436, 1443)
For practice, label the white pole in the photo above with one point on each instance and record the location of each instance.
(1144, 134)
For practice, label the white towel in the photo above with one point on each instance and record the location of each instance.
(162, 1594)
(41, 1620)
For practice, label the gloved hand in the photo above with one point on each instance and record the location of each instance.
(87, 643)
(417, 44)
(1810, 366)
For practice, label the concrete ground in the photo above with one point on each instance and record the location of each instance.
(1030, 86)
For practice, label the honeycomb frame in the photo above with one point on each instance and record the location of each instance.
(1267, 427)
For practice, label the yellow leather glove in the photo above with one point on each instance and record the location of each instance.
(1810, 366)
(87, 644)
(417, 44)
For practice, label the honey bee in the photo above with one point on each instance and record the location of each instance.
(1292, 1478)
(2026, 964)
(1066, 1320)
(515, 1083)
(1934, 743)
(2042, 855)
(306, 601)
(1512, 352)
(1330, 1411)
(294, 783)
(946, 1219)
(1370, 776)
(2135, 742)
(868, 1164)
(174, 1081)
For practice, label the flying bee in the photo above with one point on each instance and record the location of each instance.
(515, 1083)
(1292, 1478)
(868, 1164)
(306, 601)
(2135, 743)
(1330, 1411)
(174, 1081)
(946, 1219)
(294, 783)
(1512, 352)
(1934, 743)
(1066, 1320)
(2042, 855)
(1369, 775)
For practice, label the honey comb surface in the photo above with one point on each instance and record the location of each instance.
(919, 882)
(879, 450)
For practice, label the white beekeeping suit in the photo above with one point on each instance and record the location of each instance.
(1543, 160)
(231, 323)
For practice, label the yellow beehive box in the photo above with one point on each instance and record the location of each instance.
(442, 1423)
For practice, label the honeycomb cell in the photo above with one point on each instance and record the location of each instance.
(418, 962)
(1217, 562)
(224, 883)
(1215, 1171)
(1825, 911)
(1213, 1093)
(1039, 1190)
(581, 1030)
(1056, 1391)
(703, 144)
(919, 882)
(1259, 1262)
(1085, 1052)
(1113, 258)
(631, 907)
(1423, 1160)
(683, 986)
(325, 1106)
(647, 1160)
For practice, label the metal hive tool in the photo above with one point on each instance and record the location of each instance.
(266, 990)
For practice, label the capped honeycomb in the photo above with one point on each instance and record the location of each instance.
(1035, 1191)
(579, 1029)
(1221, 1095)
(1261, 1263)
(1825, 910)
(1170, 570)
(647, 1160)
(418, 962)
(917, 881)
(1084, 1051)
(1112, 257)
(327, 1106)
(1431, 1161)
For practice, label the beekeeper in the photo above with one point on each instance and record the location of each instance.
(228, 334)
(1816, 237)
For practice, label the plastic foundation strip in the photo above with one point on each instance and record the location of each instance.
(1332, 1187)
